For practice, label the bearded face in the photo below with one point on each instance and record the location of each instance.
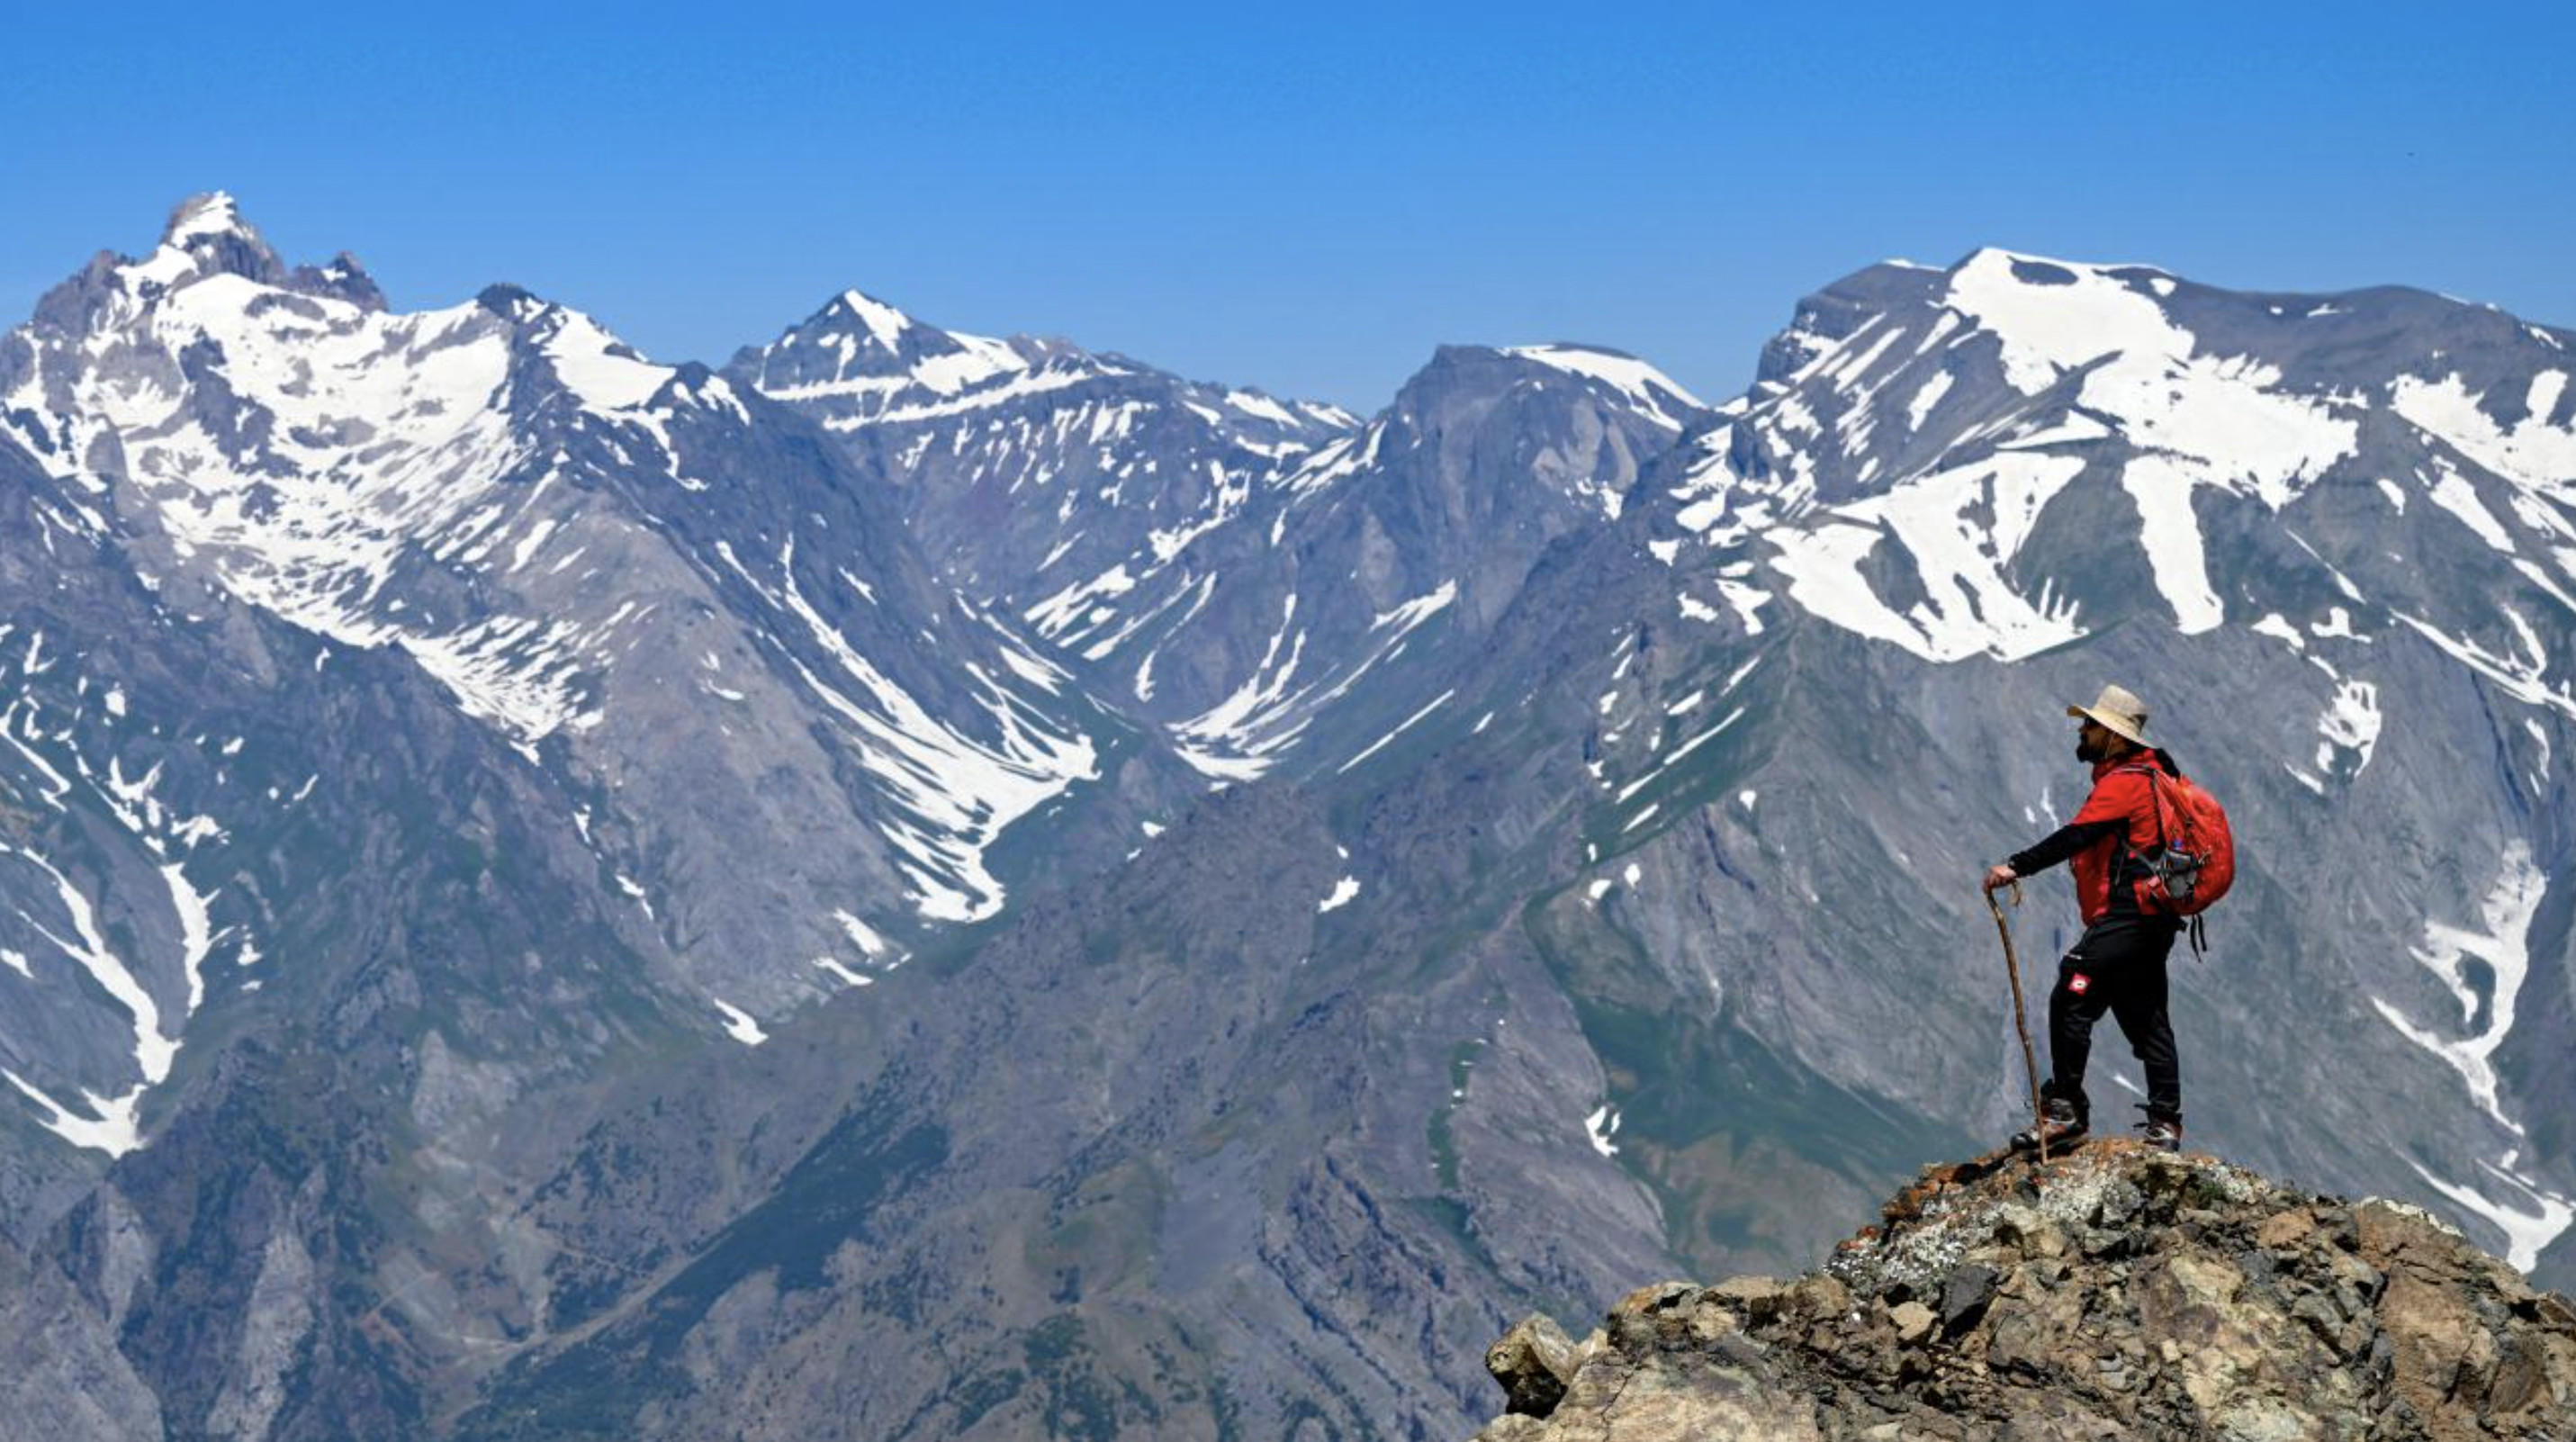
(2094, 742)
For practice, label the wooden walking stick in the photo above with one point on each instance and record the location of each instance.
(2021, 1021)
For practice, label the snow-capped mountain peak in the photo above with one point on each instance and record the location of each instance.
(591, 552)
(214, 213)
(883, 342)
(1955, 412)
(1053, 480)
(887, 324)
(860, 358)
(208, 235)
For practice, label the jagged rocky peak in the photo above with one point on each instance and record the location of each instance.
(2118, 1293)
(858, 352)
(860, 362)
(206, 236)
(343, 279)
(210, 232)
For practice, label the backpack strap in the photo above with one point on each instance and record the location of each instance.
(2132, 861)
(2155, 796)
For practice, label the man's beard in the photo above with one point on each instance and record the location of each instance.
(2089, 750)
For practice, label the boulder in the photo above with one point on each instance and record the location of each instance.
(1535, 1362)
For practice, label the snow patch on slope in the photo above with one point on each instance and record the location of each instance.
(1245, 735)
(2502, 945)
(957, 793)
(1652, 392)
(1970, 608)
(2202, 420)
(597, 366)
(2532, 452)
(113, 1124)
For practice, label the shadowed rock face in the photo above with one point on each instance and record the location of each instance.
(2117, 1293)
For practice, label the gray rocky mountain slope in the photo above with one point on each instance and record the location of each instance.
(1783, 991)
(421, 724)
(621, 568)
(2270, 530)
(1611, 916)
(1250, 573)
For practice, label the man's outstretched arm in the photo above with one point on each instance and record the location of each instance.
(2057, 846)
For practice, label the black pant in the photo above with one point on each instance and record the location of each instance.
(2117, 966)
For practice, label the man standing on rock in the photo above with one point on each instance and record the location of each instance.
(2118, 965)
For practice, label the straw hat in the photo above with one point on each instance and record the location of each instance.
(2119, 710)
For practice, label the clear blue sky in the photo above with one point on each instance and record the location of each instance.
(1302, 197)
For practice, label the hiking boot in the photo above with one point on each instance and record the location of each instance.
(2061, 1125)
(2162, 1133)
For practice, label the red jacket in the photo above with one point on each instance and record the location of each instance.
(2119, 815)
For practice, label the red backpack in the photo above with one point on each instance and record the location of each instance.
(2198, 861)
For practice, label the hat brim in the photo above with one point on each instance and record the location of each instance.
(2116, 725)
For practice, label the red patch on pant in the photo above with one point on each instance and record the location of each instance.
(2078, 982)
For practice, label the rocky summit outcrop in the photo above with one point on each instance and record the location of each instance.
(2117, 1293)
